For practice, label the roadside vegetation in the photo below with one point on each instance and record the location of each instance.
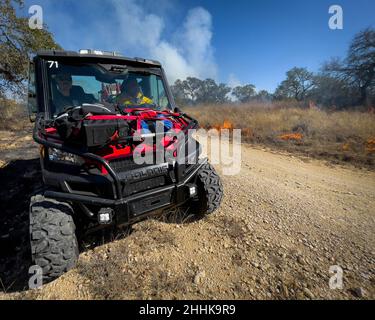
(327, 114)
(339, 136)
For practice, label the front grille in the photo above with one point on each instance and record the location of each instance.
(132, 187)
(137, 178)
(125, 164)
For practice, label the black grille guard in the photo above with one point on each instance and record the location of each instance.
(118, 196)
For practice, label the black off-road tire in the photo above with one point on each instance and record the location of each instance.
(210, 190)
(54, 245)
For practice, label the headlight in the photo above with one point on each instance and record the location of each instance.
(57, 155)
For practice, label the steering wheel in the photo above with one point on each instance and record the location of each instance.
(65, 110)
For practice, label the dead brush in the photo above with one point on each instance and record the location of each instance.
(336, 135)
(370, 146)
(13, 116)
(179, 215)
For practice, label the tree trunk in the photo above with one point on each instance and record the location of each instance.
(363, 98)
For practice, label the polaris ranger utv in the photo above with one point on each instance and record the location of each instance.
(97, 114)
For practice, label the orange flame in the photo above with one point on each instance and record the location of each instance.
(346, 146)
(370, 145)
(291, 136)
(226, 125)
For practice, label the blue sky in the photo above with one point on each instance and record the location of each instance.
(235, 42)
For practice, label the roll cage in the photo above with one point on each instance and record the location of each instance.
(40, 96)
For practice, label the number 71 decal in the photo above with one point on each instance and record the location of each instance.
(53, 64)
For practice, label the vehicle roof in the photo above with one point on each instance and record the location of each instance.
(100, 58)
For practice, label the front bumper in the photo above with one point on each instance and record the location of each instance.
(126, 209)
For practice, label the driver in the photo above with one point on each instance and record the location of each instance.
(131, 93)
(63, 96)
(68, 95)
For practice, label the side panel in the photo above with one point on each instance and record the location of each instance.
(40, 87)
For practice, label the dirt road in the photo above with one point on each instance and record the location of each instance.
(283, 223)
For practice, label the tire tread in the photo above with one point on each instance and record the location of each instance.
(54, 244)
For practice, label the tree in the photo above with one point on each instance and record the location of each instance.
(244, 93)
(179, 94)
(297, 84)
(263, 96)
(332, 91)
(188, 89)
(18, 43)
(196, 91)
(358, 68)
(211, 92)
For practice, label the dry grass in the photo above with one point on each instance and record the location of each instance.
(341, 136)
(13, 116)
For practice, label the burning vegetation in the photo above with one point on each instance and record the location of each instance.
(339, 136)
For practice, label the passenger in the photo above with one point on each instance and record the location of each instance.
(131, 94)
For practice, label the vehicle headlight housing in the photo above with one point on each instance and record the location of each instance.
(59, 156)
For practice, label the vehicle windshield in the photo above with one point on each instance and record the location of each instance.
(71, 85)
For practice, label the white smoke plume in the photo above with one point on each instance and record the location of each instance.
(189, 54)
(233, 82)
(142, 28)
